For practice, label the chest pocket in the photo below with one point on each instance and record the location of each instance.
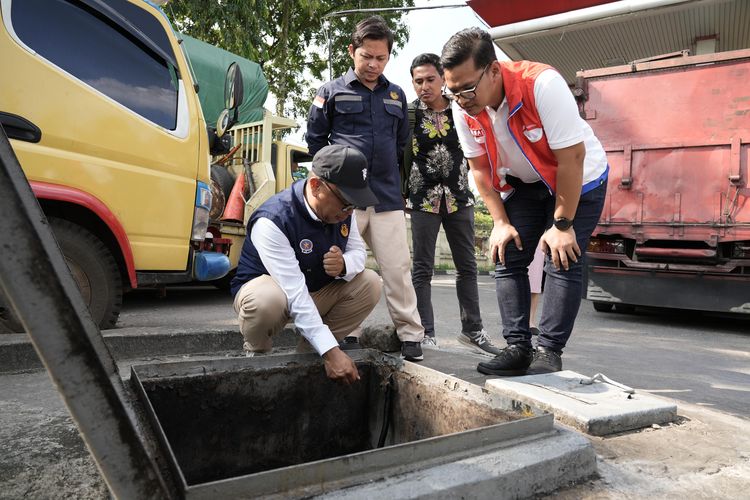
(395, 113)
(348, 107)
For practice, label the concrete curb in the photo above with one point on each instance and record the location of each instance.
(18, 354)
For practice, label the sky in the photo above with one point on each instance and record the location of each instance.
(428, 31)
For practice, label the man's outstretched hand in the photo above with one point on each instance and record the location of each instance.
(340, 367)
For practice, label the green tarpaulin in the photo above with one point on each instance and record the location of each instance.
(210, 65)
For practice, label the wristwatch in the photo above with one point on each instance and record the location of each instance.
(563, 224)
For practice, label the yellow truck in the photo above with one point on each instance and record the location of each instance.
(252, 152)
(102, 111)
(268, 166)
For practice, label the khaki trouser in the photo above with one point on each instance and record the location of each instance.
(385, 234)
(262, 308)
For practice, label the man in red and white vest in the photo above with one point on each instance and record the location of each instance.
(543, 176)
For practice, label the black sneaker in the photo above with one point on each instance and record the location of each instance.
(349, 344)
(512, 361)
(411, 351)
(480, 341)
(546, 360)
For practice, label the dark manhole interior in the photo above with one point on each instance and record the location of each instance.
(231, 423)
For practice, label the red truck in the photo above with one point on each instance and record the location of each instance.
(675, 229)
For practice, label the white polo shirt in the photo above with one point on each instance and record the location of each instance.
(561, 123)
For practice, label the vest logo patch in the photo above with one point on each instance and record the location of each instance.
(344, 230)
(394, 95)
(306, 246)
(477, 134)
(533, 133)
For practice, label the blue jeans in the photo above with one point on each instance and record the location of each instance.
(459, 230)
(531, 211)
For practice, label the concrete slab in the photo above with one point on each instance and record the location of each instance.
(598, 408)
(524, 470)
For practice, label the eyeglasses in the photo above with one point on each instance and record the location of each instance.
(467, 94)
(345, 205)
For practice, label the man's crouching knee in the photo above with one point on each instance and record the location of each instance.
(261, 307)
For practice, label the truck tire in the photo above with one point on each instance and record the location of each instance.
(223, 178)
(602, 307)
(94, 270)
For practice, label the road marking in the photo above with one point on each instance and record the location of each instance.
(669, 390)
(728, 352)
(741, 388)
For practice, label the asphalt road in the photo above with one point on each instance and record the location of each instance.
(698, 358)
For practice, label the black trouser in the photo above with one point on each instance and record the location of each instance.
(459, 230)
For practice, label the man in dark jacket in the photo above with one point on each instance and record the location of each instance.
(303, 258)
(362, 109)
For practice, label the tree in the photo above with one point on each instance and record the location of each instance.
(482, 219)
(286, 37)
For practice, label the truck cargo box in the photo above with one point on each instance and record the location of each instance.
(675, 229)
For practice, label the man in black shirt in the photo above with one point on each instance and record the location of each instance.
(438, 193)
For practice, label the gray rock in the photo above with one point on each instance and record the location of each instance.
(381, 337)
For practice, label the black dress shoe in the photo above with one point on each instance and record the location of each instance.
(546, 360)
(512, 361)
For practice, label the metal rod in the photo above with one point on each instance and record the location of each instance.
(43, 295)
(393, 9)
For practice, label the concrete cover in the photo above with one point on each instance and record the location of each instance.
(598, 408)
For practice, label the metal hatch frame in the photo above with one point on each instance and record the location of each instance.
(41, 291)
(352, 469)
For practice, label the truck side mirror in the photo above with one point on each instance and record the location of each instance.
(234, 92)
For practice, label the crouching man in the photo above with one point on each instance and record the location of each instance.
(303, 258)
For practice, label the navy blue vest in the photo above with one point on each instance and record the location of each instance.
(309, 238)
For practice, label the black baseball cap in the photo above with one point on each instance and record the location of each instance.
(346, 168)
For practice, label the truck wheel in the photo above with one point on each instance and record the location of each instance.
(223, 178)
(94, 270)
(602, 307)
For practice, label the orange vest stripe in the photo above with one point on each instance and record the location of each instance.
(523, 118)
